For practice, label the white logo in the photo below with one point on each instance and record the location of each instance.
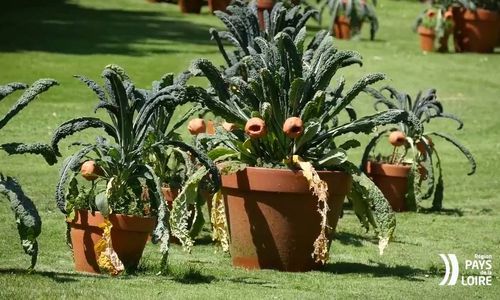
(453, 269)
(482, 264)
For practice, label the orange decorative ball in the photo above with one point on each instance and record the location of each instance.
(229, 126)
(90, 170)
(255, 128)
(197, 126)
(293, 127)
(397, 138)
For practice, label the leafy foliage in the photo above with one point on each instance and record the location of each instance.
(242, 28)
(426, 163)
(28, 220)
(29, 224)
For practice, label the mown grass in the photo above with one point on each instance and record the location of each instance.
(61, 38)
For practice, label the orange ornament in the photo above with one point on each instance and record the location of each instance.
(197, 126)
(90, 170)
(293, 127)
(397, 138)
(255, 128)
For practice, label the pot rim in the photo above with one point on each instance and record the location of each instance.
(87, 218)
(282, 181)
(386, 169)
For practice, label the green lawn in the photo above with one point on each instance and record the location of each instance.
(59, 39)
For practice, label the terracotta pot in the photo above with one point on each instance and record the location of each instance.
(273, 218)
(190, 6)
(218, 5)
(342, 28)
(128, 235)
(475, 31)
(263, 5)
(427, 37)
(392, 180)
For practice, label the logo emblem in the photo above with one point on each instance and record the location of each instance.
(452, 268)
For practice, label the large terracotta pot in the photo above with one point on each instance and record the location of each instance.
(342, 28)
(392, 180)
(218, 5)
(263, 5)
(475, 31)
(129, 235)
(273, 218)
(190, 6)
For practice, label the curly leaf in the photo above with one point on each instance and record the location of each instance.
(42, 149)
(29, 224)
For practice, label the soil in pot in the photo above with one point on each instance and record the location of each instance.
(218, 5)
(190, 6)
(392, 180)
(342, 28)
(273, 218)
(475, 31)
(129, 235)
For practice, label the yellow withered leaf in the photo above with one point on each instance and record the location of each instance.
(319, 188)
(107, 259)
(220, 231)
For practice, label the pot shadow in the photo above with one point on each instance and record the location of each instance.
(191, 276)
(444, 211)
(376, 270)
(63, 27)
(357, 240)
(59, 277)
(253, 281)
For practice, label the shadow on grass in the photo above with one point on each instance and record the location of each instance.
(444, 211)
(376, 270)
(60, 277)
(189, 275)
(357, 240)
(57, 26)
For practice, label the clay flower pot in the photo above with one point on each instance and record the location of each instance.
(342, 28)
(273, 219)
(392, 180)
(475, 31)
(190, 6)
(427, 37)
(218, 5)
(128, 235)
(263, 5)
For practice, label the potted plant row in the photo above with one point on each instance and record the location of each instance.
(112, 212)
(29, 224)
(407, 167)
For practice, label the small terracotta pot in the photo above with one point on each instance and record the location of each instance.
(273, 218)
(190, 6)
(392, 180)
(128, 235)
(427, 37)
(342, 28)
(263, 5)
(218, 5)
(475, 31)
